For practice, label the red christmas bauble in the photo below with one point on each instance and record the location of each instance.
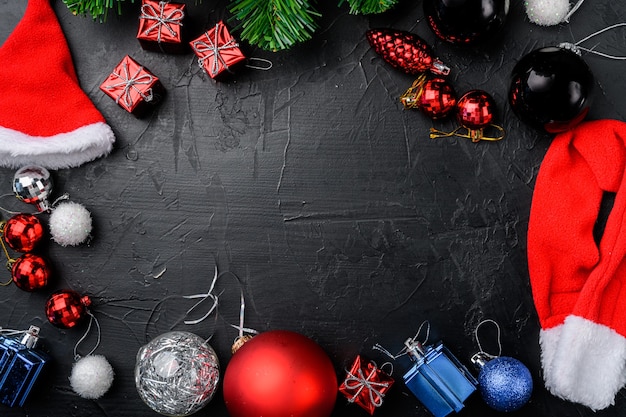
(435, 97)
(278, 374)
(23, 232)
(476, 110)
(30, 272)
(405, 51)
(466, 21)
(438, 98)
(66, 308)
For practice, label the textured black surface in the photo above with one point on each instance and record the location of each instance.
(341, 218)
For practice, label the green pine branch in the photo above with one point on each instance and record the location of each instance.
(98, 9)
(275, 24)
(369, 6)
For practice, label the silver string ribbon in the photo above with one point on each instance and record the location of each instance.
(212, 49)
(130, 83)
(361, 382)
(92, 319)
(175, 17)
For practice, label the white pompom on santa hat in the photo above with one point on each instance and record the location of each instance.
(46, 119)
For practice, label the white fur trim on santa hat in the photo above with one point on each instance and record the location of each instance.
(63, 150)
(583, 362)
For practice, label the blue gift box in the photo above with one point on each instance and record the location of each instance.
(20, 365)
(437, 378)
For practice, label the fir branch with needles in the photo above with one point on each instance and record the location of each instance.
(275, 24)
(369, 6)
(97, 9)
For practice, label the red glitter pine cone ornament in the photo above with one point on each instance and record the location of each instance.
(405, 51)
(434, 97)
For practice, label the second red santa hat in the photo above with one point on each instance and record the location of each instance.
(579, 286)
(45, 117)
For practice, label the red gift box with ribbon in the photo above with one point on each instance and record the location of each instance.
(161, 27)
(133, 87)
(217, 50)
(366, 385)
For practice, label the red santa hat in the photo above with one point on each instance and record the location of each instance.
(579, 287)
(45, 117)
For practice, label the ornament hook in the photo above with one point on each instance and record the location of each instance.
(242, 337)
(7, 210)
(411, 97)
(12, 332)
(10, 261)
(480, 348)
(92, 319)
(476, 135)
(573, 10)
(203, 297)
(267, 64)
(408, 344)
(576, 46)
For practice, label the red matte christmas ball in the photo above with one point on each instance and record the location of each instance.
(278, 374)
(66, 308)
(23, 232)
(30, 272)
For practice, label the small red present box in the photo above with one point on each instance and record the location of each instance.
(366, 385)
(133, 87)
(217, 50)
(161, 26)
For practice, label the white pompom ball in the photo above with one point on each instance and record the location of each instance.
(547, 12)
(70, 224)
(91, 377)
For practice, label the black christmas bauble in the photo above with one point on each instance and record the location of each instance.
(550, 89)
(466, 21)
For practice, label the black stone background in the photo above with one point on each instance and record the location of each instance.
(310, 182)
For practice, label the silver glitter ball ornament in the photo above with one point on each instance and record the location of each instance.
(33, 185)
(177, 373)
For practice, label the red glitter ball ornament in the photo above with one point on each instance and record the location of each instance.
(23, 232)
(66, 308)
(476, 110)
(435, 97)
(405, 51)
(30, 272)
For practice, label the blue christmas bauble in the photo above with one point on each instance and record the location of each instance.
(505, 384)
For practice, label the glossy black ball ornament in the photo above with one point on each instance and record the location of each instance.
(466, 21)
(550, 89)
